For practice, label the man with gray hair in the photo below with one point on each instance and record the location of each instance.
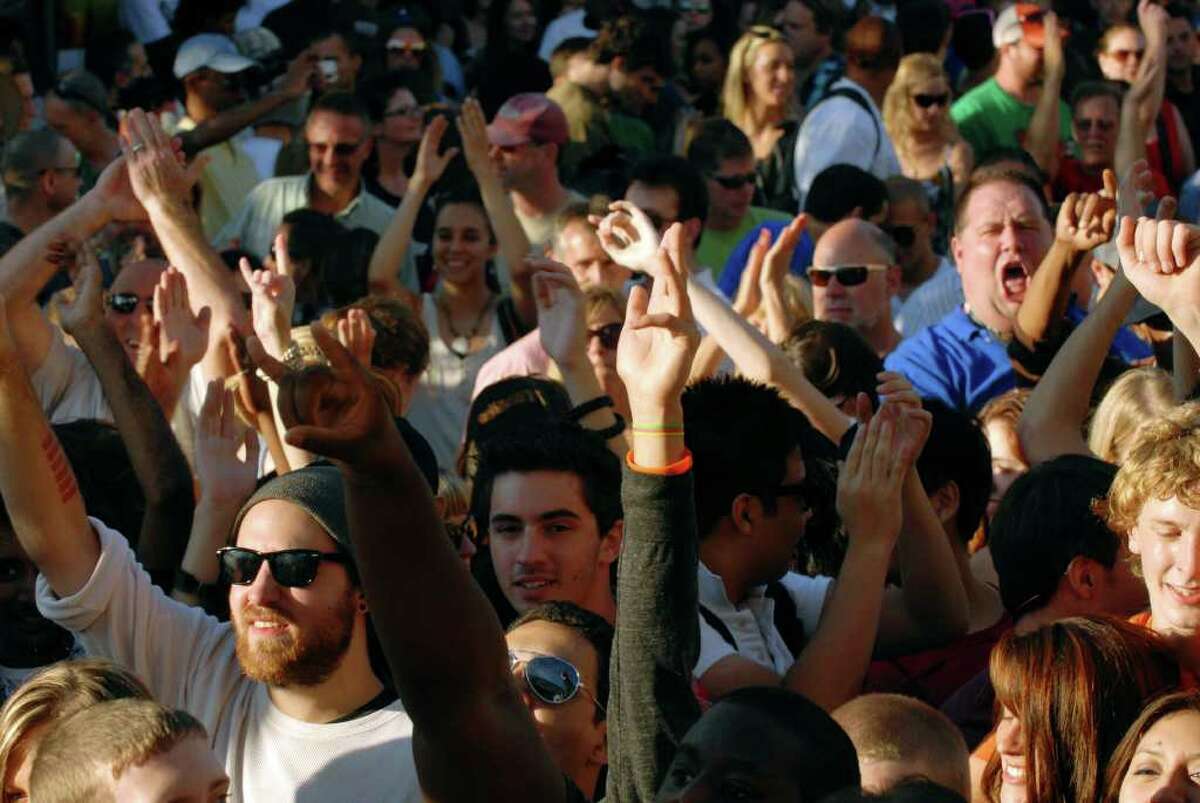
(854, 276)
(41, 178)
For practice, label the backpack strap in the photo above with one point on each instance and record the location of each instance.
(787, 618)
(716, 624)
(857, 97)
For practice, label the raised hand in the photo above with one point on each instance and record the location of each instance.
(1161, 258)
(335, 410)
(273, 300)
(356, 333)
(86, 311)
(1086, 220)
(750, 284)
(301, 75)
(629, 237)
(1153, 20)
(472, 128)
(660, 336)
(1053, 57)
(156, 174)
(224, 477)
(779, 258)
(431, 164)
(562, 325)
(871, 479)
(182, 336)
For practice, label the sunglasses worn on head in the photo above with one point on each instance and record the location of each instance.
(734, 182)
(847, 275)
(925, 101)
(551, 679)
(291, 568)
(126, 303)
(609, 334)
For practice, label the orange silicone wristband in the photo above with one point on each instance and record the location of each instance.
(681, 466)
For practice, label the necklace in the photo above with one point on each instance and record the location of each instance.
(460, 344)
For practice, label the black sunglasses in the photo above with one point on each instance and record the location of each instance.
(925, 101)
(126, 303)
(735, 182)
(904, 236)
(609, 334)
(847, 275)
(342, 149)
(551, 679)
(291, 568)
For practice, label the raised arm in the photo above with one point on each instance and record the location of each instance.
(1042, 138)
(162, 470)
(163, 186)
(1161, 258)
(1085, 221)
(225, 124)
(514, 244)
(40, 494)
(657, 642)
(562, 329)
(473, 737)
(383, 272)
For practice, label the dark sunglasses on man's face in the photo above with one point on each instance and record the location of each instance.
(734, 182)
(126, 303)
(1086, 125)
(925, 101)
(609, 334)
(341, 149)
(551, 679)
(904, 236)
(291, 568)
(847, 275)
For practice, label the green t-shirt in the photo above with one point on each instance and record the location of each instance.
(990, 118)
(716, 246)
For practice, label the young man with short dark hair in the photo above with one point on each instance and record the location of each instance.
(550, 504)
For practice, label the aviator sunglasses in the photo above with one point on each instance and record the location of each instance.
(291, 568)
(551, 679)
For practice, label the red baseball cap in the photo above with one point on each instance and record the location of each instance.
(530, 117)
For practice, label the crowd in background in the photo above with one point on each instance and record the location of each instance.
(627, 400)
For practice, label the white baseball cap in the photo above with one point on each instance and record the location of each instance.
(211, 50)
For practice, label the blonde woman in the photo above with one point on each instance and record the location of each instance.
(916, 112)
(1140, 394)
(760, 85)
(53, 694)
(453, 501)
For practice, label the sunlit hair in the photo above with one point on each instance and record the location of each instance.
(1184, 702)
(455, 493)
(1074, 686)
(598, 299)
(735, 95)
(82, 756)
(1006, 408)
(797, 305)
(1107, 37)
(916, 68)
(59, 691)
(1136, 396)
(1162, 460)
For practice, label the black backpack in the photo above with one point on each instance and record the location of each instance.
(786, 620)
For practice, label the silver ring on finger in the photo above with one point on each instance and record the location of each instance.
(137, 146)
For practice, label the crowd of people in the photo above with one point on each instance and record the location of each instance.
(626, 400)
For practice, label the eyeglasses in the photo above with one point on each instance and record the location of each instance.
(798, 491)
(1085, 125)
(291, 568)
(925, 101)
(406, 47)
(904, 236)
(551, 679)
(342, 149)
(609, 334)
(126, 303)
(735, 182)
(404, 111)
(847, 275)
(1124, 54)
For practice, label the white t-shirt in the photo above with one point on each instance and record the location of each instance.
(841, 131)
(187, 660)
(752, 623)
(66, 385)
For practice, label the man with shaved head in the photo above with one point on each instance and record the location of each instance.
(854, 276)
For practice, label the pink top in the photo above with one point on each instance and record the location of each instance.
(524, 357)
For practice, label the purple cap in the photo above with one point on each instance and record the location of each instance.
(529, 117)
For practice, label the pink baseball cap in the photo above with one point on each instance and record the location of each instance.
(528, 118)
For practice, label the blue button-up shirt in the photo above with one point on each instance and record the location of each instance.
(957, 361)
